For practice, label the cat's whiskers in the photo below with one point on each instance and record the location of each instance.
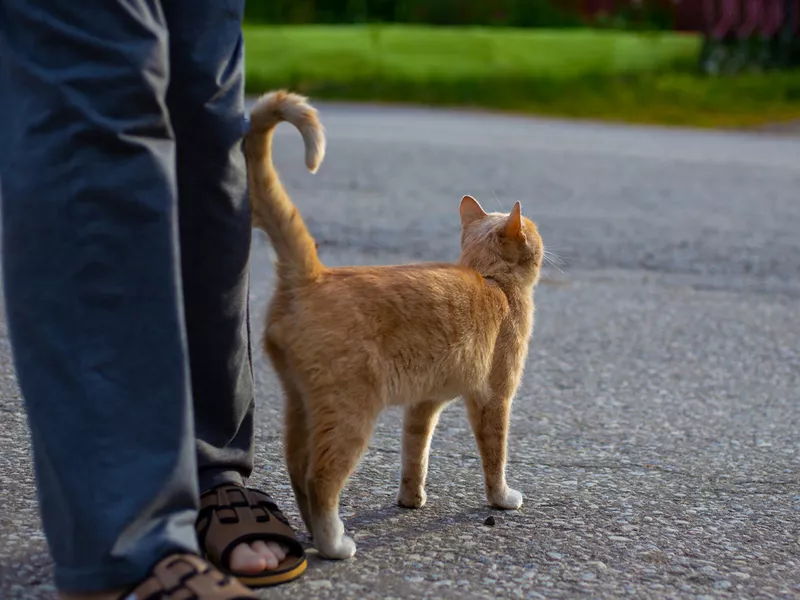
(554, 260)
(499, 204)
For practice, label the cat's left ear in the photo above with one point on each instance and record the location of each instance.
(513, 228)
(470, 210)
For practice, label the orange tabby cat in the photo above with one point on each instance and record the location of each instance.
(348, 342)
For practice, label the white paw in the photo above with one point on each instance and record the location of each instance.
(508, 500)
(330, 540)
(340, 549)
(412, 498)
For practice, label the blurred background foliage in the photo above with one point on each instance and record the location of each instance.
(695, 62)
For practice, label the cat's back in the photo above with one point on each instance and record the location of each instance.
(439, 295)
(412, 316)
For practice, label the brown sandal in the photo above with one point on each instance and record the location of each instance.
(185, 577)
(231, 515)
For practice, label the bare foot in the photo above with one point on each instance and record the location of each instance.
(258, 556)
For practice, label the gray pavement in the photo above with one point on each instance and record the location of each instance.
(656, 435)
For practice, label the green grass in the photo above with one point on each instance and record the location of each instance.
(647, 77)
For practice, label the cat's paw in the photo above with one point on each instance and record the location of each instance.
(508, 499)
(412, 498)
(330, 540)
(340, 549)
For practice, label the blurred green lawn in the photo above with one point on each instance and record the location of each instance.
(647, 77)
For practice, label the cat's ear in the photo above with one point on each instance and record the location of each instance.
(513, 227)
(470, 210)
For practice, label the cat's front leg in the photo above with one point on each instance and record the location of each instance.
(490, 421)
(418, 425)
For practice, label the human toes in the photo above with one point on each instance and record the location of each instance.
(279, 550)
(245, 559)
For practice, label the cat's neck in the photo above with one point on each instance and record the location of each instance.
(519, 295)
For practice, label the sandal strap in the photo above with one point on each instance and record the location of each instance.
(188, 577)
(232, 514)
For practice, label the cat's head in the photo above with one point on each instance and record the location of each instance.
(500, 244)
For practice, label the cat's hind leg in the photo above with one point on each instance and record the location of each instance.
(419, 422)
(339, 433)
(490, 418)
(296, 450)
(295, 440)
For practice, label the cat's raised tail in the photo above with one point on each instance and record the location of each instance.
(272, 209)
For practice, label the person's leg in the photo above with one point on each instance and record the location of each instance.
(206, 103)
(92, 283)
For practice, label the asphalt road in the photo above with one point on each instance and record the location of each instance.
(656, 435)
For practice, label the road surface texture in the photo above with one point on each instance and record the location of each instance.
(656, 434)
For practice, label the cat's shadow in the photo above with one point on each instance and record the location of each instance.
(384, 526)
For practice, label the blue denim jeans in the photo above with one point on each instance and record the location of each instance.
(126, 241)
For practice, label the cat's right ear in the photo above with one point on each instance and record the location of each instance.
(470, 210)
